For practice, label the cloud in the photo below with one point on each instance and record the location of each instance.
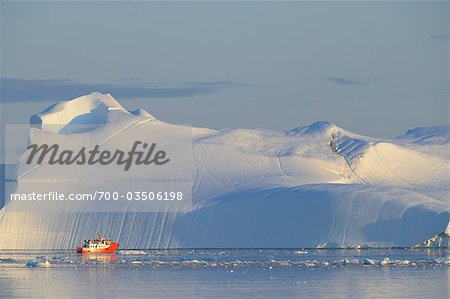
(344, 81)
(24, 90)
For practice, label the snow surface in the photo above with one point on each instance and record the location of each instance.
(307, 187)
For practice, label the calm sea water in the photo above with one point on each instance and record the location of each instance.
(367, 273)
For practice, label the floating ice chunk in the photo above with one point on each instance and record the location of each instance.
(132, 252)
(31, 264)
(193, 262)
(369, 262)
(325, 245)
(386, 262)
(443, 260)
(441, 240)
(45, 264)
(403, 263)
(38, 263)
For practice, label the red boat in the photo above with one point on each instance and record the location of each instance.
(101, 245)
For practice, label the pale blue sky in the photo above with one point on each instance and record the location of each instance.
(376, 68)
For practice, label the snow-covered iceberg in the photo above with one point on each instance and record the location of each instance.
(313, 185)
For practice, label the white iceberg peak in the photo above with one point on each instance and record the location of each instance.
(320, 128)
(88, 109)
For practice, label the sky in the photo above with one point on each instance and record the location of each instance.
(374, 68)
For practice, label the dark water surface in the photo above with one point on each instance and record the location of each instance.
(283, 273)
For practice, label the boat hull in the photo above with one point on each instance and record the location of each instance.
(110, 249)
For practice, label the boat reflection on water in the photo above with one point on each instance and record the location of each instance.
(100, 257)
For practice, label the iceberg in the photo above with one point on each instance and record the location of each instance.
(314, 186)
(441, 240)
